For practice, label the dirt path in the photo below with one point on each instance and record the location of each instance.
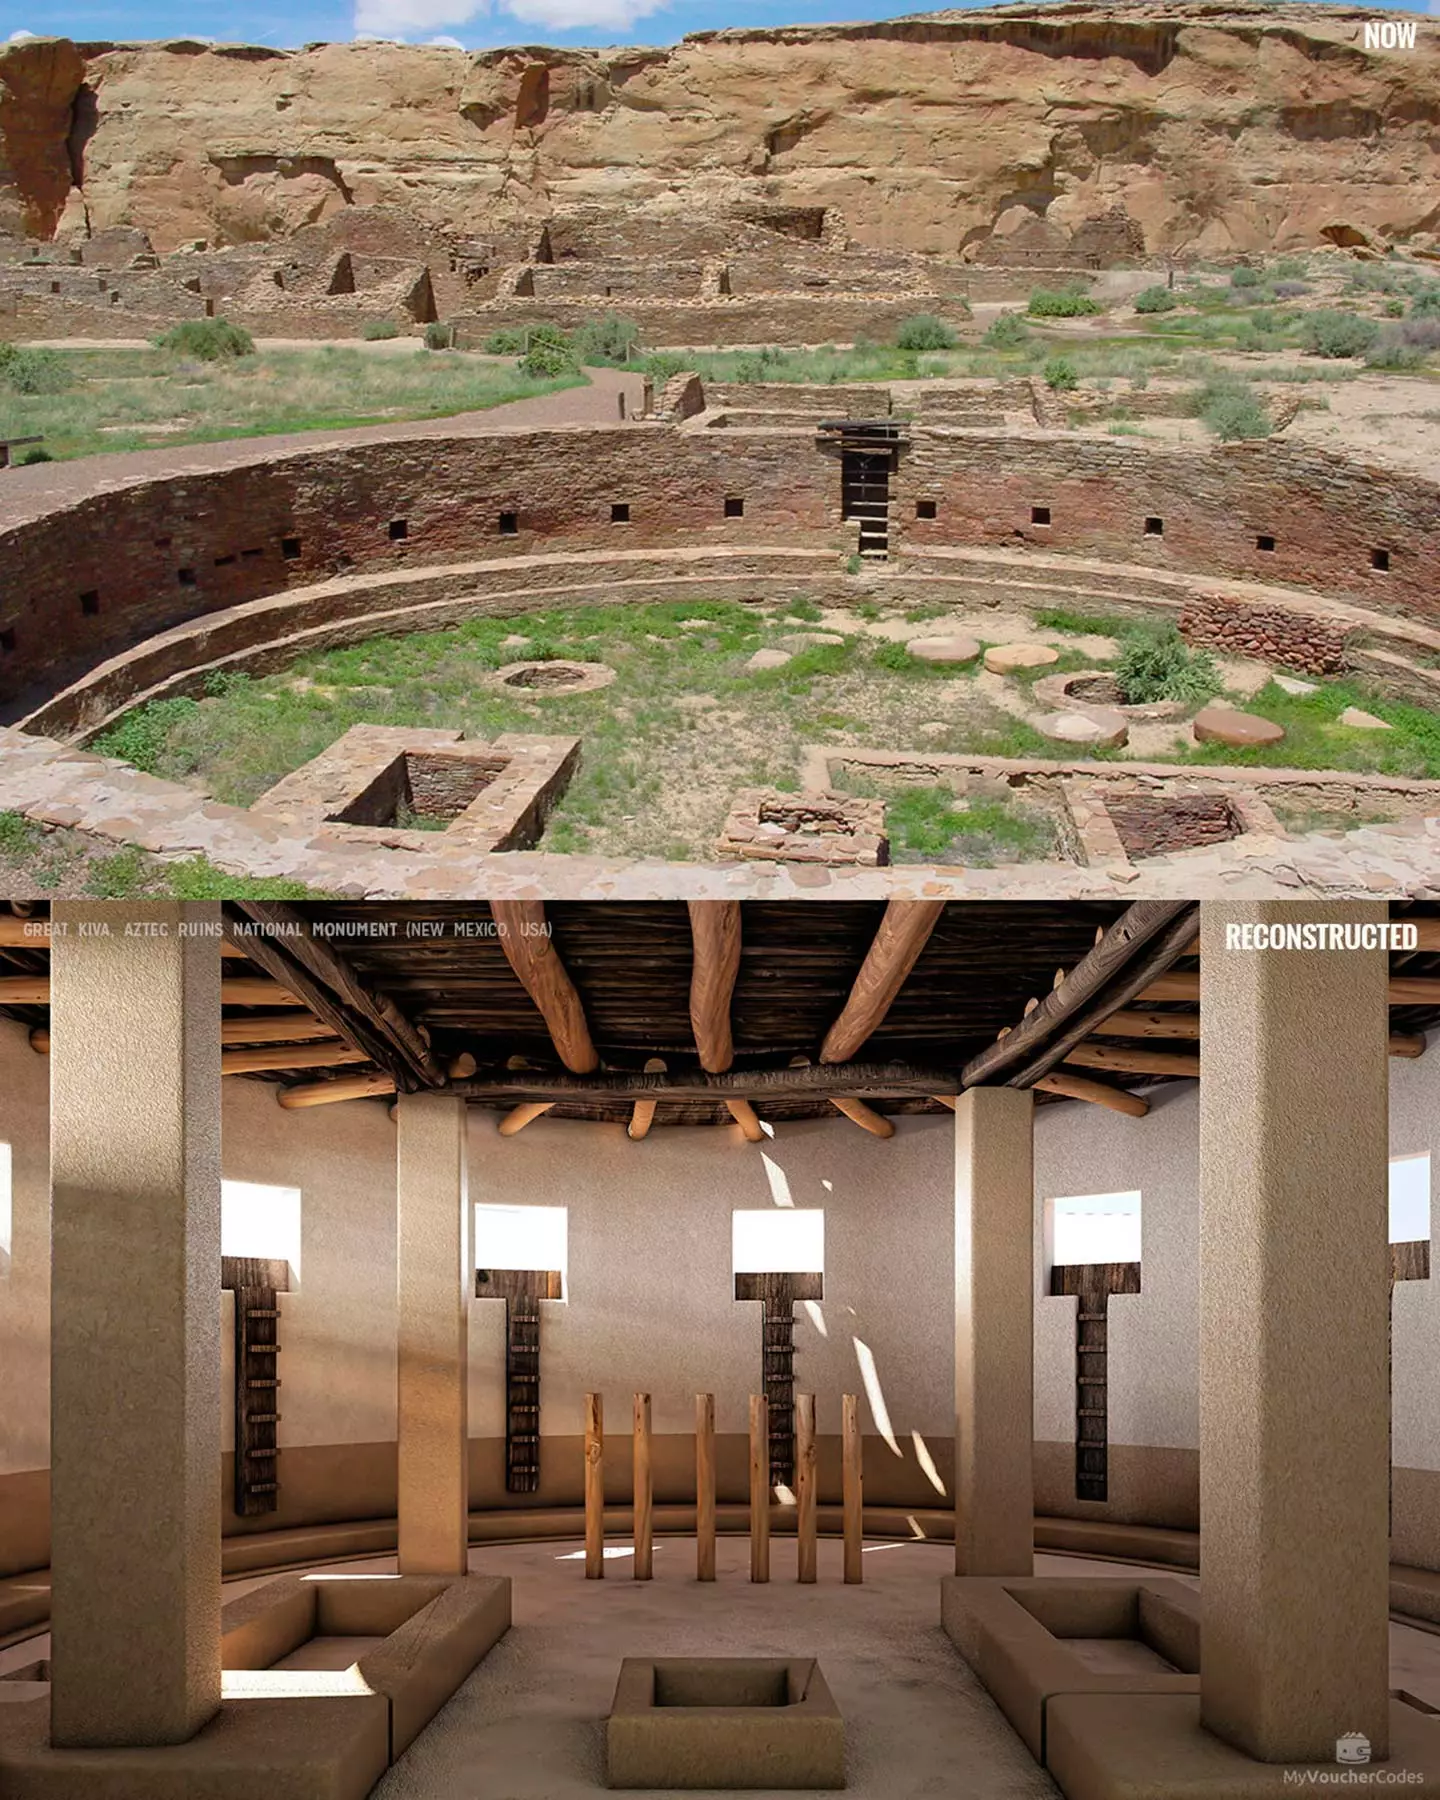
(27, 492)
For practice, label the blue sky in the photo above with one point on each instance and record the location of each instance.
(475, 26)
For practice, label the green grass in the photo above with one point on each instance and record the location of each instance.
(932, 825)
(1315, 739)
(142, 399)
(67, 864)
(686, 725)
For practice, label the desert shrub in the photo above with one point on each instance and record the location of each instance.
(924, 332)
(1425, 333)
(1244, 277)
(1007, 332)
(1046, 303)
(1155, 300)
(1336, 333)
(32, 371)
(211, 340)
(1390, 351)
(375, 331)
(1060, 374)
(1288, 268)
(35, 456)
(1231, 408)
(1156, 663)
(1394, 307)
(439, 335)
(610, 340)
(1290, 290)
(505, 343)
(1426, 304)
(547, 357)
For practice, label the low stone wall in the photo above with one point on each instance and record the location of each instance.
(824, 317)
(822, 400)
(1290, 639)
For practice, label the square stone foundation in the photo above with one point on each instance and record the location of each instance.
(724, 1722)
(767, 826)
(1032, 1639)
(327, 1680)
(411, 789)
(1119, 822)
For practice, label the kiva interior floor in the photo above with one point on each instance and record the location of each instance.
(528, 1723)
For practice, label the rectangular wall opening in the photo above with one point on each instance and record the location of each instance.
(1092, 1242)
(1410, 1199)
(509, 524)
(734, 507)
(1154, 527)
(518, 1239)
(259, 1222)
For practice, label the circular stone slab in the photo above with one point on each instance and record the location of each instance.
(1099, 729)
(944, 649)
(1363, 721)
(1005, 659)
(1223, 725)
(767, 659)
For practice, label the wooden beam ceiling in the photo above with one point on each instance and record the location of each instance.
(530, 951)
(715, 934)
(903, 932)
(1127, 958)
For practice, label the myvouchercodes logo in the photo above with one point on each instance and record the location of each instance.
(1390, 34)
(1354, 1747)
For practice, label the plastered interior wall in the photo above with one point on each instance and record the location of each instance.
(649, 1301)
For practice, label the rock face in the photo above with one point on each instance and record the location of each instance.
(1025, 135)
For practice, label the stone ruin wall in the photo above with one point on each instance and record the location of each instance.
(1284, 639)
(88, 581)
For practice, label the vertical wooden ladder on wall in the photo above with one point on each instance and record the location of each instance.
(522, 1290)
(257, 1284)
(777, 1295)
(1093, 1284)
(869, 449)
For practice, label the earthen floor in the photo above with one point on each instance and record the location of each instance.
(918, 1724)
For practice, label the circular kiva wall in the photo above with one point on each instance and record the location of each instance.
(249, 563)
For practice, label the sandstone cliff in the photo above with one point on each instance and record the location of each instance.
(1215, 128)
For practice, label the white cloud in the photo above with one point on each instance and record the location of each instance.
(444, 43)
(411, 18)
(23, 37)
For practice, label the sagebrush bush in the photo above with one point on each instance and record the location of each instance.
(1061, 374)
(1390, 351)
(1290, 290)
(610, 340)
(375, 331)
(1244, 277)
(1156, 663)
(1007, 332)
(211, 340)
(1155, 300)
(1046, 303)
(924, 332)
(1336, 333)
(1230, 407)
(1426, 304)
(505, 343)
(32, 371)
(439, 336)
(546, 357)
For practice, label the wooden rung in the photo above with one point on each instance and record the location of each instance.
(1090, 1412)
(263, 1418)
(262, 1349)
(262, 1455)
(262, 1312)
(1090, 1318)
(272, 1383)
(262, 1487)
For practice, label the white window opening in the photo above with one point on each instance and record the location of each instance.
(780, 1241)
(1410, 1199)
(257, 1220)
(1094, 1228)
(523, 1237)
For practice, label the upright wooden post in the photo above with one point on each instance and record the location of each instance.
(805, 1486)
(852, 1491)
(704, 1487)
(643, 1490)
(594, 1487)
(759, 1488)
